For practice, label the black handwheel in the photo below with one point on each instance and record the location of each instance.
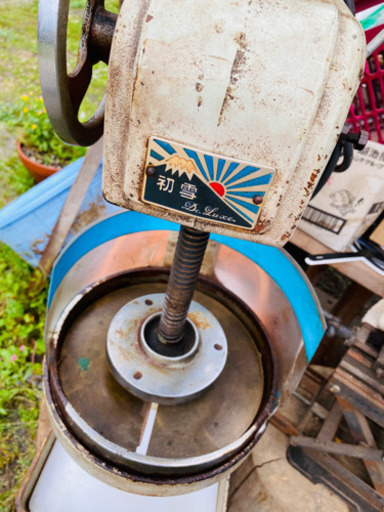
(63, 93)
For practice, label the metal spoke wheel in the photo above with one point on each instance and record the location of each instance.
(63, 93)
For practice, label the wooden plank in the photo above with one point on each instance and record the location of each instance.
(284, 424)
(362, 373)
(362, 434)
(362, 358)
(44, 426)
(379, 363)
(350, 450)
(71, 206)
(352, 302)
(367, 349)
(348, 481)
(330, 425)
(361, 396)
(355, 270)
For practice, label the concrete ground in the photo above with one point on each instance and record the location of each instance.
(268, 483)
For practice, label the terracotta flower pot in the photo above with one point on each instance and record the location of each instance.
(38, 171)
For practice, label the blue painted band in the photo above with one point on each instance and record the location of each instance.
(271, 260)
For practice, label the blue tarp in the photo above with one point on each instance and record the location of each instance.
(27, 223)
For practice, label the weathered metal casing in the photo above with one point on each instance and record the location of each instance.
(264, 82)
(284, 302)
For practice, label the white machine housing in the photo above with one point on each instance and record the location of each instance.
(263, 85)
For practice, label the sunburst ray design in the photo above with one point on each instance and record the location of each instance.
(240, 181)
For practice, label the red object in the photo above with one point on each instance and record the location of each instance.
(367, 109)
(365, 4)
(218, 187)
(38, 171)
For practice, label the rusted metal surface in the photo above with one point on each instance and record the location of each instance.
(213, 83)
(256, 288)
(30, 479)
(141, 483)
(101, 33)
(180, 445)
(189, 254)
(160, 372)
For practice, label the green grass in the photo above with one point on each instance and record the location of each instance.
(22, 306)
(22, 294)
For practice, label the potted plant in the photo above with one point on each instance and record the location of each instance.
(39, 148)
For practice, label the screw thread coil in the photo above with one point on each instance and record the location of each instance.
(189, 254)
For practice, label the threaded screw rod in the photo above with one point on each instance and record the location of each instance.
(189, 254)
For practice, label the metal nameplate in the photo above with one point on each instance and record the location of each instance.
(205, 185)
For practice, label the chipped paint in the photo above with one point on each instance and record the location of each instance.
(243, 104)
(84, 363)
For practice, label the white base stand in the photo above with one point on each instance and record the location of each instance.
(64, 486)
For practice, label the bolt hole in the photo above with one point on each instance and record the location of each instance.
(149, 302)
(218, 347)
(137, 375)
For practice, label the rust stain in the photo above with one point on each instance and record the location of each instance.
(135, 86)
(311, 182)
(148, 18)
(314, 175)
(308, 90)
(262, 225)
(286, 235)
(297, 218)
(199, 320)
(286, 314)
(237, 67)
(219, 28)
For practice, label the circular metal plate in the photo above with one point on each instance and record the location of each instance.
(164, 380)
(185, 439)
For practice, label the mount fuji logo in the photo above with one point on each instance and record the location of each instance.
(212, 182)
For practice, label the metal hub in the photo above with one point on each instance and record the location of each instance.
(165, 373)
(168, 353)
